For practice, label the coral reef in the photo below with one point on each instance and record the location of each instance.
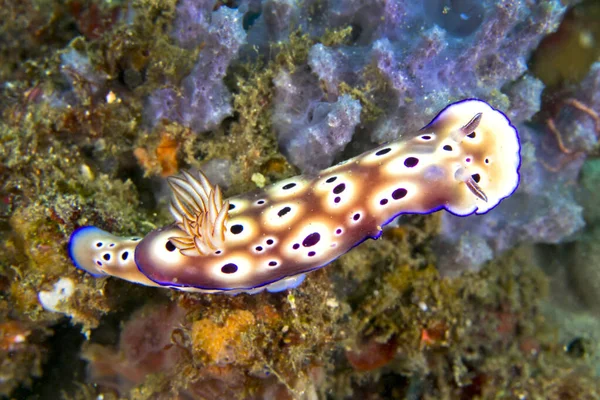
(584, 272)
(102, 100)
(577, 120)
(21, 355)
(203, 100)
(311, 132)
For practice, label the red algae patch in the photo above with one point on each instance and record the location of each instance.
(145, 347)
(163, 159)
(372, 354)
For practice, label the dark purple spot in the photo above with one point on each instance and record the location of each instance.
(235, 229)
(106, 257)
(383, 151)
(229, 268)
(272, 263)
(338, 231)
(259, 248)
(311, 239)
(125, 255)
(296, 246)
(231, 206)
(383, 202)
(170, 246)
(447, 147)
(356, 217)
(471, 135)
(218, 252)
(399, 193)
(289, 186)
(311, 253)
(468, 159)
(426, 137)
(99, 263)
(339, 188)
(99, 244)
(487, 161)
(111, 245)
(411, 162)
(337, 200)
(332, 179)
(476, 177)
(270, 241)
(260, 202)
(284, 211)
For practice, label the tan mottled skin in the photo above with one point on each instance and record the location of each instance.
(432, 184)
(368, 179)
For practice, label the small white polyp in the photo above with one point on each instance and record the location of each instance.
(62, 292)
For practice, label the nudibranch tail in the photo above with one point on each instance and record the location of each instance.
(465, 161)
(491, 174)
(101, 253)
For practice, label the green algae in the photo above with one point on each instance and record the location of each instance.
(461, 334)
(586, 196)
(565, 56)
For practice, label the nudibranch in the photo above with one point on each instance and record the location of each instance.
(466, 160)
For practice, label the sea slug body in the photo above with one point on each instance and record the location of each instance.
(466, 160)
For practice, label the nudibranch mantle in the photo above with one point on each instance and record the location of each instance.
(466, 160)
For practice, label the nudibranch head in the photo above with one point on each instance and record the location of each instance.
(481, 147)
(101, 253)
